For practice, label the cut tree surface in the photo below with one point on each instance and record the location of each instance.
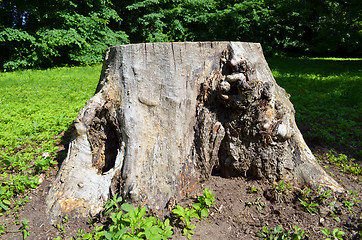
(165, 116)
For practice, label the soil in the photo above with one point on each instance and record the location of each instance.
(237, 214)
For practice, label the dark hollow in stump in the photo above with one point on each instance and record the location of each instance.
(166, 115)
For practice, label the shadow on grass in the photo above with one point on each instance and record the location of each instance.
(327, 96)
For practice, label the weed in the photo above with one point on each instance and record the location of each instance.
(336, 234)
(355, 193)
(199, 210)
(25, 228)
(112, 204)
(133, 225)
(204, 203)
(2, 229)
(346, 165)
(278, 233)
(60, 227)
(323, 195)
(282, 187)
(254, 189)
(305, 193)
(127, 222)
(20, 202)
(259, 205)
(349, 205)
(96, 234)
(310, 207)
(281, 191)
(4, 204)
(65, 220)
(43, 163)
(185, 215)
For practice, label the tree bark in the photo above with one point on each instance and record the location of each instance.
(167, 115)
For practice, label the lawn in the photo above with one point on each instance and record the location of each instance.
(35, 107)
(327, 97)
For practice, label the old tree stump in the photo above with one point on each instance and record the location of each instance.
(166, 115)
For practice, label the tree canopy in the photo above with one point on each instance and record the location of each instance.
(44, 33)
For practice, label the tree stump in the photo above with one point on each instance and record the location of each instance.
(166, 115)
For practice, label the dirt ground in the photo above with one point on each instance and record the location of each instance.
(237, 214)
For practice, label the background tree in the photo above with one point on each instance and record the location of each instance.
(46, 33)
(309, 27)
(53, 32)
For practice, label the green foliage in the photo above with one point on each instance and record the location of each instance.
(278, 233)
(198, 211)
(96, 234)
(305, 193)
(336, 234)
(254, 189)
(42, 164)
(194, 20)
(292, 25)
(130, 223)
(140, 227)
(309, 199)
(346, 165)
(259, 204)
(353, 193)
(310, 207)
(112, 204)
(350, 204)
(54, 32)
(281, 191)
(282, 187)
(185, 215)
(204, 203)
(323, 195)
(2, 229)
(60, 32)
(25, 228)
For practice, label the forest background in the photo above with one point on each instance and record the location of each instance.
(47, 33)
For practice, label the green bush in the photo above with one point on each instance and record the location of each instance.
(67, 32)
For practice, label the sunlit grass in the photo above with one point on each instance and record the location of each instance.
(327, 96)
(35, 106)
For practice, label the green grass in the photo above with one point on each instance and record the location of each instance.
(327, 96)
(35, 106)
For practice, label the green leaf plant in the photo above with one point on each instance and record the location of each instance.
(278, 233)
(128, 222)
(336, 234)
(205, 201)
(185, 215)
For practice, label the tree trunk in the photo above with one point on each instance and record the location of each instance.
(166, 115)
